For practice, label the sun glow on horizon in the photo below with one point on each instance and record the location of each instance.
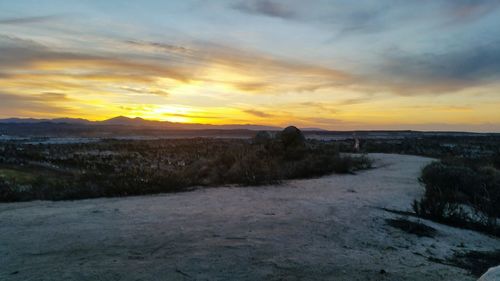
(254, 67)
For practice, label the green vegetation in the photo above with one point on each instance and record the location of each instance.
(17, 176)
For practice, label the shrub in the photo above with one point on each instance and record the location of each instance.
(460, 195)
(254, 169)
(7, 192)
(293, 142)
(121, 168)
(318, 164)
(496, 161)
(292, 136)
(261, 138)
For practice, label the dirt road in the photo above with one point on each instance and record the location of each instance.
(328, 228)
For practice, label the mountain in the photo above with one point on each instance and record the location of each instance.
(35, 121)
(125, 121)
(70, 121)
(139, 122)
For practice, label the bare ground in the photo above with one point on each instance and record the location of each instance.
(330, 228)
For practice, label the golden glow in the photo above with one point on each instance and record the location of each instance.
(231, 89)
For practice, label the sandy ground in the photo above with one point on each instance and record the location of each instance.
(319, 229)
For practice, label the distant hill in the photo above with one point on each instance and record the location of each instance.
(140, 122)
(122, 126)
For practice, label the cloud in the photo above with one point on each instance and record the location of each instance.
(356, 100)
(252, 86)
(190, 116)
(162, 47)
(51, 96)
(28, 20)
(339, 18)
(265, 74)
(253, 72)
(443, 108)
(270, 8)
(452, 70)
(16, 53)
(258, 113)
(26, 105)
(319, 106)
(462, 11)
(370, 17)
(143, 91)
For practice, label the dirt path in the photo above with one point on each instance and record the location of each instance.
(319, 229)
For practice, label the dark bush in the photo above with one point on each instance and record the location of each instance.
(319, 164)
(292, 136)
(7, 192)
(460, 195)
(254, 169)
(496, 161)
(262, 138)
(293, 142)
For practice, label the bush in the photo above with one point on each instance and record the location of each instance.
(294, 143)
(496, 161)
(261, 138)
(254, 169)
(7, 192)
(292, 136)
(460, 195)
(318, 164)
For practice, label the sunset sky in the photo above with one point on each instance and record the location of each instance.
(341, 65)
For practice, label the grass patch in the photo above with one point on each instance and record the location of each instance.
(17, 176)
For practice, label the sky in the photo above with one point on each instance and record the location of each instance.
(331, 64)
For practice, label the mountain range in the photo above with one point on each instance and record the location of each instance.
(138, 122)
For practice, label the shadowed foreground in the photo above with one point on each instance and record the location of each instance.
(319, 229)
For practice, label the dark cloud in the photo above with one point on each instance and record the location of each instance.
(360, 19)
(28, 20)
(394, 14)
(265, 7)
(258, 113)
(368, 17)
(164, 47)
(446, 71)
